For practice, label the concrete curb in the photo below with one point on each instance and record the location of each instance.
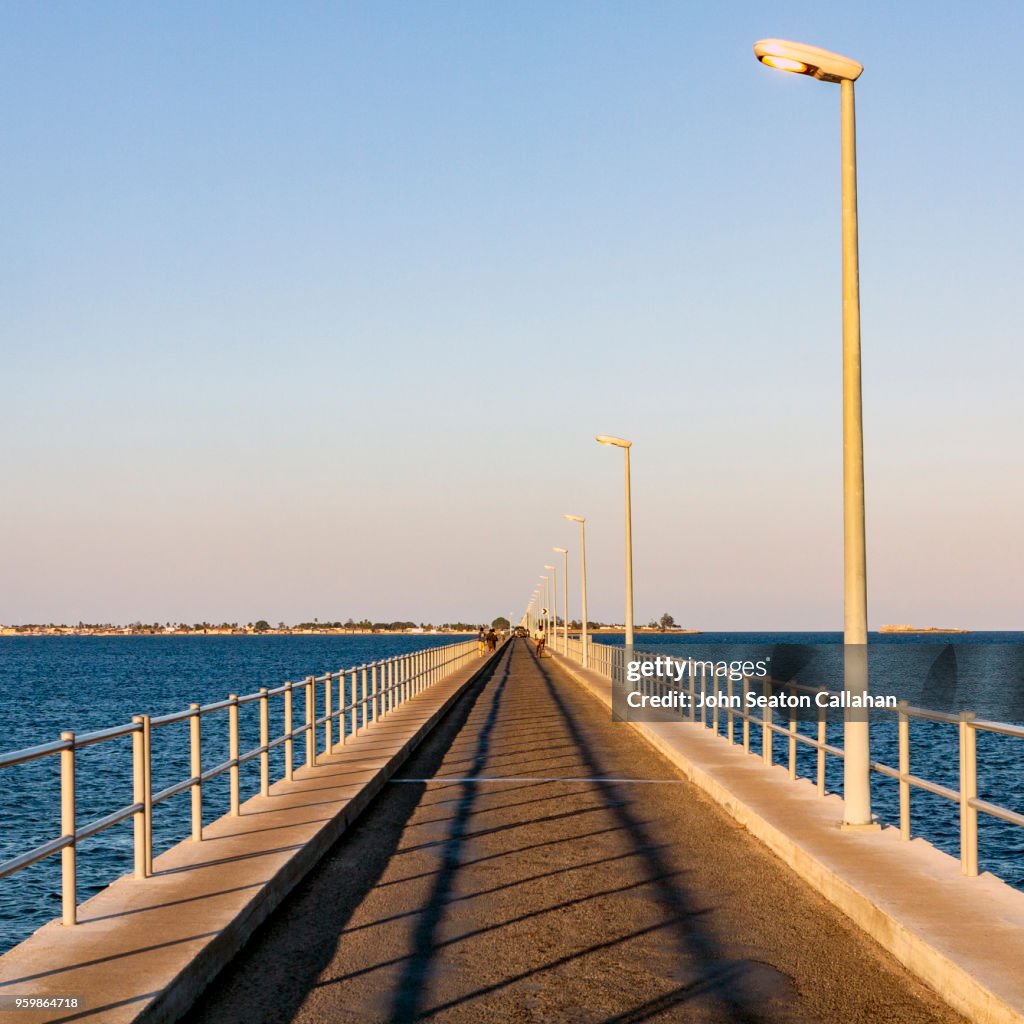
(979, 977)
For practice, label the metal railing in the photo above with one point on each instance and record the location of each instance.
(374, 690)
(610, 661)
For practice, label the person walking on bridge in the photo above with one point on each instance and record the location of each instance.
(492, 640)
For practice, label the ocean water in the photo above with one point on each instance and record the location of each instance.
(50, 684)
(981, 672)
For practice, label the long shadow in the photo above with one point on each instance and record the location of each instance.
(510, 852)
(411, 991)
(475, 933)
(273, 975)
(499, 888)
(720, 977)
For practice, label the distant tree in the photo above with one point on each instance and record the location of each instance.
(500, 622)
(667, 621)
(261, 627)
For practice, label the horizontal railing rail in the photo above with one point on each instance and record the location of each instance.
(610, 662)
(375, 690)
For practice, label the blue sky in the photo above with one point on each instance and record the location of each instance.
(314, 309)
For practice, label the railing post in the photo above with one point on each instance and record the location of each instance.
(195, 757)
(904, 765)
(233, 773)
(328, 717)
(69, 887)
(147, 794)
(363, 702)
(703, 695)
(374, 691)
(342, 675)
(310, 722)
(746, 714)
(822, 740)
(717, 682)
(766, 723)
(792, 735)
(730, 724)
(692, 687)
(288, 730)
(353, 691)
(968, 792)
(139, 797)
(264, 742)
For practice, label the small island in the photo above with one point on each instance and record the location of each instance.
(904, 628)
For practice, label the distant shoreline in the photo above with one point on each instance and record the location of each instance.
(234, 632)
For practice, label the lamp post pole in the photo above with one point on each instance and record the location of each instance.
(583, 585)
(857, 763)
(625, 445)
(546, 611)
(832, 67)
(554, 604)
(564, 552)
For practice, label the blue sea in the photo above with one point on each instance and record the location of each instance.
(981, 672)
(50, 684)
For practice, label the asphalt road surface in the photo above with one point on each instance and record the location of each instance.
(469, 898)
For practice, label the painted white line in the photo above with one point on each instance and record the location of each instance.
(532, 778)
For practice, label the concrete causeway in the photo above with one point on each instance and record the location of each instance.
(535, 861)
(497, 849)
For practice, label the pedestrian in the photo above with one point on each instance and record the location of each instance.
(540, 643)
(492, 640)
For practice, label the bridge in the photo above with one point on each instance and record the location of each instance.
(473, 838)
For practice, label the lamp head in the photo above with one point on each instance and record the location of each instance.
(551, 567)
(619, 442)
(575, 519)
(561, 551)
(802, 59)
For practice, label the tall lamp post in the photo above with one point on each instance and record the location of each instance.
(546, 598)
(583, 583)
(619, 442)
(564, 552)
(831, 67)
(554, 604)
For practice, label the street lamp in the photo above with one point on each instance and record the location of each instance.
(625, 445)
(583, 583)
(831, 67)
(554, 604)
(546, 596)
(564, 552)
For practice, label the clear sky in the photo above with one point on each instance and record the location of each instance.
(314, 309)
